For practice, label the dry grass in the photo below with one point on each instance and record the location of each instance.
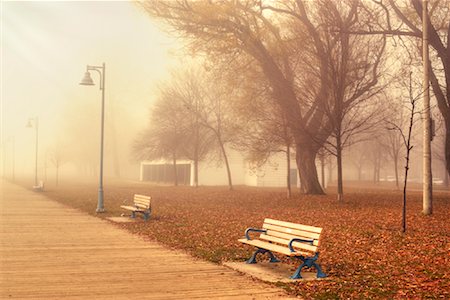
(362, 250)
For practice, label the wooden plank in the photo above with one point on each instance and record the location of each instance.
(144, 207)
(302, 246)
(132, 208)
(147, 204)
(287, 236)
(300, 233)
(273, 247)
(142, 201)
(293, 225)
(50, 251)
(137, 196)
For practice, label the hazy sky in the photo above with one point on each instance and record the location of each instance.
(45, 47)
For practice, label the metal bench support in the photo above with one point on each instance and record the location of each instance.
(252, 259)
(309, 262)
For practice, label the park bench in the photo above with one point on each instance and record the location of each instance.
(141, 204)
(290, 239)
(39, 187)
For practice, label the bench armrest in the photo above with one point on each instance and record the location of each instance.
(298, 240)
(254, 230)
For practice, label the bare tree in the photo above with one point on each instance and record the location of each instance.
(57, 158)
(243, 28)
(407, 143)
(354, 72)
(165, 137)
(205, 100)
(286, 41)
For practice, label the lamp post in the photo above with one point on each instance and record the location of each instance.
(34, 122)
(13, 140)
(87, 80)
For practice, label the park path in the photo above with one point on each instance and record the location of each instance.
(49, 251)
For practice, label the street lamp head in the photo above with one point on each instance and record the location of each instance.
(87, 80)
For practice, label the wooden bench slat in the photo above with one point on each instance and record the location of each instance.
(141, 206)
(300, 233)
(288, 236)
(302, 246)
(273, 247)
(137, 196)
(144, 202)
(133, 208)
(293, 225)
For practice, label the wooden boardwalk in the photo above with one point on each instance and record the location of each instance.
(49, 251)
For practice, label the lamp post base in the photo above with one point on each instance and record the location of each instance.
(100, 208)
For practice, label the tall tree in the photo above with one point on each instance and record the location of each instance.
(286, 41)
(244, 28)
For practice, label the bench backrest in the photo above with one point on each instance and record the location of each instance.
(142, 201)
(281, 232)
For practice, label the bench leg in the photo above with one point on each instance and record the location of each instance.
(133, 215)
(309, 262)
(297, 274)
(273, 259)
(320, 274)
(146, 216)
(252, 259)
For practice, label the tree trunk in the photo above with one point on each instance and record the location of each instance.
(330, 170)
(227, 164)
(375, 171)
(447, 148)
(322, 167)
(446, 179)
(306, 164)
(396, 170)
(57, 174)
(175, 175)
(288, 177)
(340, 186)
(196, 148)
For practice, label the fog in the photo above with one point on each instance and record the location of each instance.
(45, 49)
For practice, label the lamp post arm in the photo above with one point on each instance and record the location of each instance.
(101, 72)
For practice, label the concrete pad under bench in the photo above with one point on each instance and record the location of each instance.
(271, 272)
